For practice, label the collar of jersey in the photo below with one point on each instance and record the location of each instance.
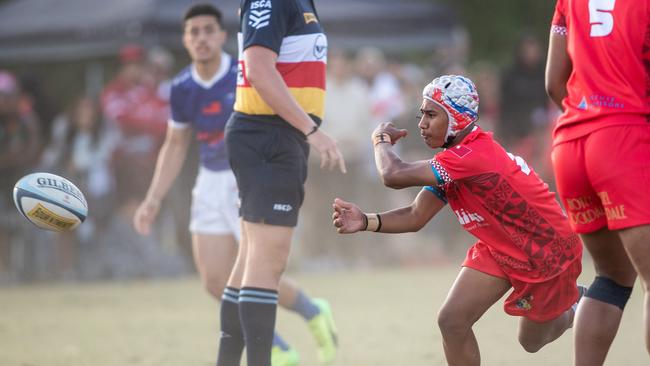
(223, 69)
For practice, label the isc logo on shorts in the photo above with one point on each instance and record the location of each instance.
(282, 207)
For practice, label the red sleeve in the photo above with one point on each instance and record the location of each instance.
(461, 162)
(558, 17)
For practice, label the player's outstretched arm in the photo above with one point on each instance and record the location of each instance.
(348, 218)
(170, 161)
(267, 81)
(558, 68)
(394, 172)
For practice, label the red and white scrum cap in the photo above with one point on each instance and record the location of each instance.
(458, 96)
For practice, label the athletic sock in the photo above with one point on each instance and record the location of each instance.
(257, 309)
(231, 342)
(304, 306)
(279, 342)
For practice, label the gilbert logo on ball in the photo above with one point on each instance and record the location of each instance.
(50, 202)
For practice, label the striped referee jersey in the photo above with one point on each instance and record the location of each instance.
(292, 30)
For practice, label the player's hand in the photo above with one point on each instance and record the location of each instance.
(145, 215)
(389, 128)
(330, 155)
(347, 217)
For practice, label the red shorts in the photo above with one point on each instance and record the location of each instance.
(539, 302)
(604, 178)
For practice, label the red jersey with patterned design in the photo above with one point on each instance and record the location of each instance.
(608, 42)
(500, 200)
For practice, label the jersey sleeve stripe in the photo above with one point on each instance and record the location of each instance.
(298, 74)
(311, 100)
(437, 192)
(558, 29)
(441, 174)
(435, 172)
(304, 74)
(175, 124)
(301, 48)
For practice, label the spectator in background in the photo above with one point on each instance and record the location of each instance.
(452, 56)
(347, 120)
(20, 142)
(386, 100)
(131, 102)
(384, 93)
(19, 132)
(347, 107)
(161, 63)
(80, 149)
(33, 93)
(485, 75)
(523, 98)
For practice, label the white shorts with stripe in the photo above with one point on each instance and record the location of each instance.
(215, 204)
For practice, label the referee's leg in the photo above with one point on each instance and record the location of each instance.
(266, 260)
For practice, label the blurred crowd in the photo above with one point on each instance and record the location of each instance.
(107, 145)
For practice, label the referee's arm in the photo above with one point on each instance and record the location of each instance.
(267, 81)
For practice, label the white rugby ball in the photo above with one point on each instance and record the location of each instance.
(50, 202)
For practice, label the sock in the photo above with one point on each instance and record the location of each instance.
(231, 343)
(304, 306)
(278, 341)
(257, 308)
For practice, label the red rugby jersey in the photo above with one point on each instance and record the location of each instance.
(608, 42)
(500, 200)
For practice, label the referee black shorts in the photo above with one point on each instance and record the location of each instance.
(269, 159)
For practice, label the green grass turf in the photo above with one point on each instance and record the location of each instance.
(385, 318)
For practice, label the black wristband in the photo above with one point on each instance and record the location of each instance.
(313, 130)
(365, 222)
(378, 226)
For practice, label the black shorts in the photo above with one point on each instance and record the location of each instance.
(269, 159)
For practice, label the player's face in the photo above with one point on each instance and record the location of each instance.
(433, 124)
(203, 38)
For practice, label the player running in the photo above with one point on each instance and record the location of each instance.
(598, 73)
(524, 239)
(202, 98)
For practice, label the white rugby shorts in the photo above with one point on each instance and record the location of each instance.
(215, 204)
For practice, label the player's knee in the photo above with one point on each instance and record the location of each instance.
(531, 344)
(608, 291)
(272, 268)
(452, 323)
(215, 285)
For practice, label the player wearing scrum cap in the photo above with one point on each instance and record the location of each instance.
(524, 239)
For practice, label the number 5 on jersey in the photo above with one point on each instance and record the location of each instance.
(600, 17)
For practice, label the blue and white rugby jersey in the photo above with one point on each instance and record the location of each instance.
(206, 107)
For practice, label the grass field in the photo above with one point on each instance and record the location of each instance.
(385, 317)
